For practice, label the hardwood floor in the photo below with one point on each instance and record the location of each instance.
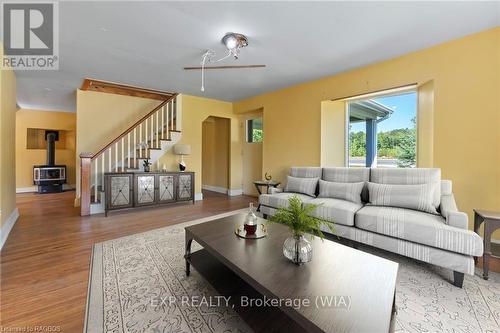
(45, 261)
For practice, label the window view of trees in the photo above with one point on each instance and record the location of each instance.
(254, 130)
(399, 144)
(257, 135)
(396, 137)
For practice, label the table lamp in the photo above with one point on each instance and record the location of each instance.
(182, 150)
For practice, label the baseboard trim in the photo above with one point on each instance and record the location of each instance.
(7, 226)
(217, 189)
(198, 196)
(234, 192)
(35, 188)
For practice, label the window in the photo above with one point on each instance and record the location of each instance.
(382, 131)
(254, 130)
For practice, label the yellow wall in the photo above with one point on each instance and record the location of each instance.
(333, 133)
(26, 158)
(7, 143)
(215, 152)
(466, 113)
(194, 111)
(101, 117)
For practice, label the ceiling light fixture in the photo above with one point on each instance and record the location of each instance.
(233, 42)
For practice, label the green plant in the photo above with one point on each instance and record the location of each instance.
(297, 216)
(146, 163)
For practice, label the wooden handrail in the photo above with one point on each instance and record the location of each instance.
(124, 89)
(131, 128)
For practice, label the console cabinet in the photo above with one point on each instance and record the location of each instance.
(137, 189)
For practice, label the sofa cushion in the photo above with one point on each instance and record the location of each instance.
(408, 176)
(345, 191)
(419, 197)
(306, 172)
(279, 200)
(335, 210)
(305, 186)
(418, 227)
(348, 175)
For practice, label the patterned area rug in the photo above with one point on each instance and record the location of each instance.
(132, 277)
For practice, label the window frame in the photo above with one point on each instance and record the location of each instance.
(385, 93)
(249, 130)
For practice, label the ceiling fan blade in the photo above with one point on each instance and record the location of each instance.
(224, 67)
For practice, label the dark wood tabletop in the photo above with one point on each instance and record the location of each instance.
(337, 272)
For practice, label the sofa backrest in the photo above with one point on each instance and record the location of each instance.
(408, 176)
(346, 175)
(405, 176)
(306, 172)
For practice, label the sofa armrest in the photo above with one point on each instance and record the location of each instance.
(274, 190)
(450, 212)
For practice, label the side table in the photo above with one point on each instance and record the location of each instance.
(491, 223)
(264, 183)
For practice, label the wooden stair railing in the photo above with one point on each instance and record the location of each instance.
(125, 151)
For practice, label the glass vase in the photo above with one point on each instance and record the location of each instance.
(250, 224)
(298, 249)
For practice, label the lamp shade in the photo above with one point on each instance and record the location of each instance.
(182, 149)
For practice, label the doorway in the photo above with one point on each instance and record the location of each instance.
(215, 154)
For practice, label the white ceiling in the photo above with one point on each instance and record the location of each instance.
(148, 43)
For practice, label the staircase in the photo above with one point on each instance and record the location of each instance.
(148, 139)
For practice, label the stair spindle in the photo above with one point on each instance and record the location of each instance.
(163, 122)
(128, 150)
(116, 156)
(152, 131)
(95, 181)
(166, 124)
(102, 169)
(140, 139)
(146, 139)
(174, 115)
(134, 148)
(123, 155)
(171, 116)
(156, 131)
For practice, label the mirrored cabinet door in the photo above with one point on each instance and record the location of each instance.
(119, 191)
(166, 188)
(145, 190)
(185, 188)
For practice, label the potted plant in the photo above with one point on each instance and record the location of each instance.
(146, 165)
(297, 216)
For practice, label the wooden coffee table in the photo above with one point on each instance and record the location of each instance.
(337, 275)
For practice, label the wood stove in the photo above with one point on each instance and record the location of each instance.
(50, 177)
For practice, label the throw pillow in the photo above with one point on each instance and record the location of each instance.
(305, 186)
(344, 191)
(418, 197)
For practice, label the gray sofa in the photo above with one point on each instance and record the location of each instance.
(382, 215)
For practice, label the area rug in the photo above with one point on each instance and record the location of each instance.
(132, 277)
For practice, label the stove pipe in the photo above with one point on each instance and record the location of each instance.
(51, 148)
